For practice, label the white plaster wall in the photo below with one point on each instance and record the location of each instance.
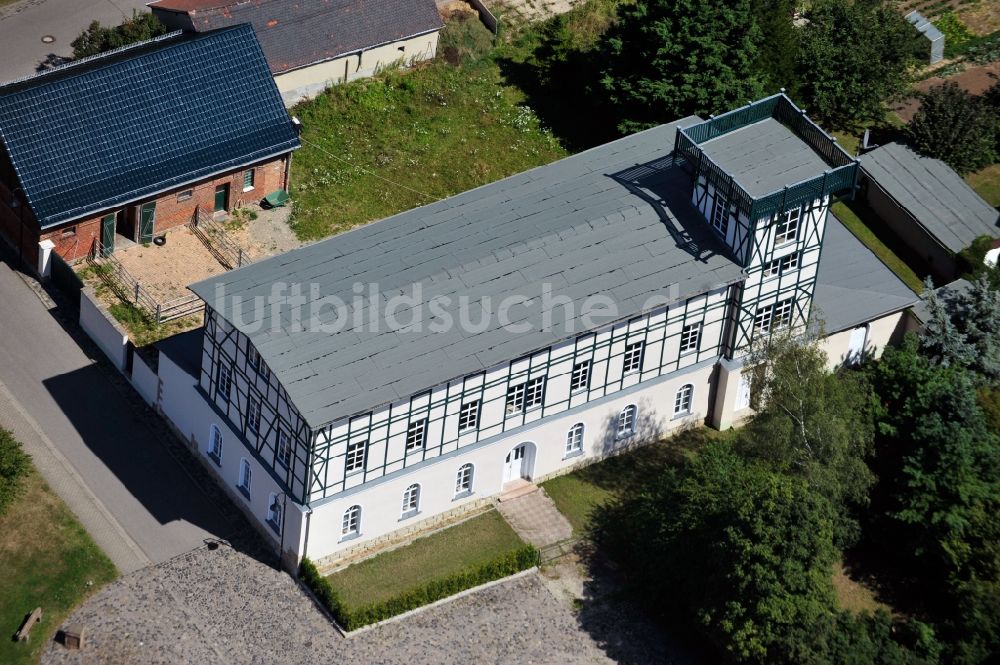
(102, 329)
(307, 82)
(193, 416)
(381, 501)
(144, 380)
(881, 332)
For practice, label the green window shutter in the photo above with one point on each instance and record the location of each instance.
(147, 218)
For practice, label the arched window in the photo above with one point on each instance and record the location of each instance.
(274, 510)
(626, 421)
(246, 476)
(682, 401)
(411, 500)
(215, 443)
(352, 521)
(463, 480)
(574, 439)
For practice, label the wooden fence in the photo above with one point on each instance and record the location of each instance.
(213, 235)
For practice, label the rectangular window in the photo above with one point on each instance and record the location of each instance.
(284, 452)
(690, 337)
(223, 382)
(256, 362)
(184, 195)
(468, 416)
(774, 317)
(782, 265)
(720, 214)
(515, 398)
(534, 395)
(248, 177)
(356, 451)
(580, 379)
(633, 357)
(69, 231)
(253, 415)
(788, 229)
(416, 434)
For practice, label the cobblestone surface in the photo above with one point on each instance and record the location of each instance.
(536, 519)
(225, 606)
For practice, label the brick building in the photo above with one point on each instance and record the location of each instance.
(120, 147)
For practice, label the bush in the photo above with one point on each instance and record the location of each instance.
(955, 32)
(98, 39)
(14, 465)
(954, 126)
(354, 618)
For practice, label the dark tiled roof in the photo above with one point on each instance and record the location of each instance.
(853, 286)
(937, 197)
(294, 33)
(615, 220)
(120, 126)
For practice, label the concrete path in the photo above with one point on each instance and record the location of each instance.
(536, 519)
(24, 23)
(105, 454)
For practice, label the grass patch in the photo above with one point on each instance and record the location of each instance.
(862, 231)
(143, 329)
(852, 595)
(376, 147)
(471, 544)
(577, 494)
(49, 561)
(987, 184)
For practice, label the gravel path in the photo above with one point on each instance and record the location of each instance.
(224, 606)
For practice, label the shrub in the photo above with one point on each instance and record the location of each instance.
(955, 32)
(98, 39)
(354, 618)
(955, 127)
(14, 465)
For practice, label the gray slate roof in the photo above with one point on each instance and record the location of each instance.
(764, 157)
(937, 197)
(296, 33)
(614, 220)
(853, 286)
(103, 131)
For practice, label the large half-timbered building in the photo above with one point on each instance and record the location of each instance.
(380, 382)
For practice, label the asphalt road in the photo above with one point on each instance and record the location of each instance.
(96, 447)
(25, 22)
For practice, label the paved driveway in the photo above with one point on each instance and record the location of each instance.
(98, 447)
(24, 23)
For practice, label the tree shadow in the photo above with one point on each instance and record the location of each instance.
(51, 61)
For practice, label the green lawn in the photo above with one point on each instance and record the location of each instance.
(879, 248)
(49, 561)
(471, 544)
(987, 184)
(578, 493)
(375, 147)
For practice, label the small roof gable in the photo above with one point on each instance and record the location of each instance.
(103, 131)
(295, 34)
(937, 197)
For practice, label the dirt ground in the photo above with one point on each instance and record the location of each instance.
(166, 271)
(975, 79)
(267, 235)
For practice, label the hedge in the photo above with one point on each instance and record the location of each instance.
(14, 466)
(351, 619)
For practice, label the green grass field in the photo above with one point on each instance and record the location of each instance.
(49, 561)
(376, 147)
(576, 498)
(987, 184)
(471, 544)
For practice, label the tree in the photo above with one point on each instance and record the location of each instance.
(672, 58)
(98, 39)
(956, 127)
(853, 57)
(964, 329)
(811, 423)
(744, 551)
(941, 464)
(778, 44)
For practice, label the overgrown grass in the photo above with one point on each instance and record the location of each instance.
(376, 147)
(49, 561)
(987, 184)
(879, 248)
(142, 328)
(577, 494)
(471, 544)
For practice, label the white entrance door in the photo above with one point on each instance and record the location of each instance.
(515, 464)
(856, 346)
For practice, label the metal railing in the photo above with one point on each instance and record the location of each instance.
(214, 236)
(111, 271)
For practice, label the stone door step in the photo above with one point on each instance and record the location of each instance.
(515, 489)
